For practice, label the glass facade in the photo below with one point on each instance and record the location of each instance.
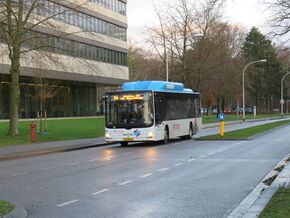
(82, 20)
(69, 100)
(114, 5)
(72, 48)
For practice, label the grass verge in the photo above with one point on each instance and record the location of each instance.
(243, 134)
(5, 208)
(279, 205)
(65, 129)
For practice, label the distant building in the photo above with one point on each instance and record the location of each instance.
(87, 44)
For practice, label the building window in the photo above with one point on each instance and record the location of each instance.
(50, 43)
(82, 20)
(113, 5)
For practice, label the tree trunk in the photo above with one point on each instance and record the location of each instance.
(14, 98)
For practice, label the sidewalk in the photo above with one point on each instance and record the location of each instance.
(48, 147)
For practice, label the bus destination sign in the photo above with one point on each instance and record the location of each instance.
(129, 97)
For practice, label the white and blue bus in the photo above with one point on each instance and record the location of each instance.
(151, 111)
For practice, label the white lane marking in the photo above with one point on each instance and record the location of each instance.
(101, 191)
(211, 153)
(73, 164)
(163, 169)
(146, 175)
(67, 203)
(48, 168)
(125, 183)
(19, 174)
(93, 160)
(178, 164)
(192, 159)
(128, 153)
(202, 156)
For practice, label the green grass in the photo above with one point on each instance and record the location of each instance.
(5, 208)
(232, 117)
(279, 205)
(246, 133)
(57, 130)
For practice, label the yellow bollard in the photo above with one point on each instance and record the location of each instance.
(222, 129)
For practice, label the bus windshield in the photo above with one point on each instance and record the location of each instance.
(129, 110)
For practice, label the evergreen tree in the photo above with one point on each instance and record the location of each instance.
(263, 79)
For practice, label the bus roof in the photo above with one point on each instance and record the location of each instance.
(156, 86)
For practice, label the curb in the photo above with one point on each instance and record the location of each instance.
(50, 151)
(18, 212)
(257, 200)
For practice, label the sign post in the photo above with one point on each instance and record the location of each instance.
(221, 118)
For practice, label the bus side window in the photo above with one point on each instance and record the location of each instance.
(159, 108)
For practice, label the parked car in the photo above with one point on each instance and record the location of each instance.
(228, 110)
(249, 110)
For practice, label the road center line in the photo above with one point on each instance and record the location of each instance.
(73, 164)
(101, 191)
(163, 169)
(146, 175)
(67, 203)
(125, 183)
(192, 159)
(19, 174)
(93, 160)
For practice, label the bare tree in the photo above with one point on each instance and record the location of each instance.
(45, 89)
(280, 16)
(179, 25)
(144, 65)
(18, 22)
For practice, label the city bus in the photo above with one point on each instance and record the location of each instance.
(151, 111)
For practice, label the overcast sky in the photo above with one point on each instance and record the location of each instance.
(245, 12)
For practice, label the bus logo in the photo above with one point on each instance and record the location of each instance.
(137, 133)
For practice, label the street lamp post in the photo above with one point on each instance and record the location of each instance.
(282, 97)
(167, 76)
(253, 62)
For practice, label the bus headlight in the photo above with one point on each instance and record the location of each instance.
(108, 136)
(150, 135)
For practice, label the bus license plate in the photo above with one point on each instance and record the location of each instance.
(128, 139)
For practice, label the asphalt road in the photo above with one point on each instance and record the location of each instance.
(181, 179)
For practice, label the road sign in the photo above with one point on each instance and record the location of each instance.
(221, 117)
(282, 101)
